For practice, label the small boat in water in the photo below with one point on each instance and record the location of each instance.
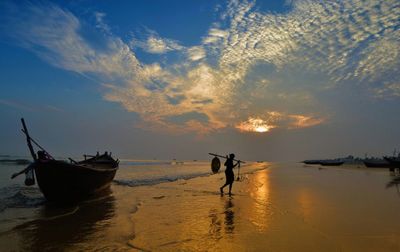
(324, 162)
(331, 162)
(394, 161)
(377, 163)
(64, 181)
(312, 162)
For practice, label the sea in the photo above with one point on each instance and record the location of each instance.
(131, 173)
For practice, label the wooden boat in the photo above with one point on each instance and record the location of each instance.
(324, 162)
(377, 163)
(394, 161)
(331, 162)
(64, 181)
(312, 162)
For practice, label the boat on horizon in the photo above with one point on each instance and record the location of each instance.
(63, 181)
(377, 163)
(331, 162)
(324, 162)
(394, 161)
(312, 162)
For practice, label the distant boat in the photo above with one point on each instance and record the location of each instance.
(377, 163)
(394, 161)
(331, 162)
(312, 162)
(64, 181)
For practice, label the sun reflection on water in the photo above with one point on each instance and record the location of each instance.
(305, 200)
(260, 192)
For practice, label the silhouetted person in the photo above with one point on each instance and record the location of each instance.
(230, 177)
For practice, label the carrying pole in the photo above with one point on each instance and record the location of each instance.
(216, 155)
(28, 140)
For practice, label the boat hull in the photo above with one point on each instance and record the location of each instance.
(394, 162)
(64, 182)
(331, 163)
(312, 162)
(380, 164)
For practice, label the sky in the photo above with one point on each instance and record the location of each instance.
(266, 80)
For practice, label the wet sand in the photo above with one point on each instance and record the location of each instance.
(284, 207)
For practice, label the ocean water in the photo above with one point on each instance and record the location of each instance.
(131, 173)
(162, 205)
(151, 172)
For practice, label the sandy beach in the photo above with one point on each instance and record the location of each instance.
(282, 208)
(274, 207)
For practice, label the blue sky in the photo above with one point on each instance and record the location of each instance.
(176, 79)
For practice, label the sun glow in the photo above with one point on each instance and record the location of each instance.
(255, 125)
(261, 129)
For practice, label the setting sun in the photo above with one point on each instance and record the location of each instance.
(262, 129)
(255, 125)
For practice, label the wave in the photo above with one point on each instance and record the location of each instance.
(17, 196)
(137, 163)
(158, 180)
(160, 162)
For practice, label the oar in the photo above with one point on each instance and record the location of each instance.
(23, 171)
(28, 180)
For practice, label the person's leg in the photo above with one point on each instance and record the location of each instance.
(222, 188)
(230, 188)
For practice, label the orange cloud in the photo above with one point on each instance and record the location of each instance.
(255, 125)
(276, 119)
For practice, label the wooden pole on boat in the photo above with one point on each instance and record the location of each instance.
(28, 139)
(38, 145)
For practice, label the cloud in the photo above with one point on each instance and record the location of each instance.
(196, 53)
(247, 63)
(100, 24)
(346, 39)
(16, 105)
(156, 45)
(255, 125)
(29, 107)
(215, 36)
(388, 90)
(273, 119)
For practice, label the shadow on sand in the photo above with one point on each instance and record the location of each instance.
(59, 227)
(395, 182)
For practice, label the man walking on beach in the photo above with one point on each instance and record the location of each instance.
(230, 177)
